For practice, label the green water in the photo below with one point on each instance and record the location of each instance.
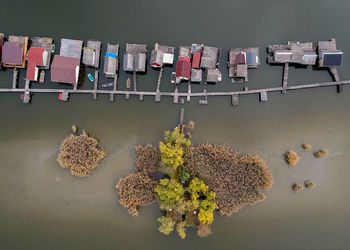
(43, 207)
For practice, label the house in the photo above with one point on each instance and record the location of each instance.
(196, 75)
(328, 54)
(71, 48)
(135, 58)
(196, 58)
(210, 57)
(44, 42)
(162, 55)
(183, 69)
(65, 69)
(35, 57)
(14, 51)
(91, 54)
(240, 60)
(293, 52)
(111, 61)
(213, 75)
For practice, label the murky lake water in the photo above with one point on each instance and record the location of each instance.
(43, 207)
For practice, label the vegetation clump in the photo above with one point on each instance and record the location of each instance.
(81, 154)
(237, 179)
(309, 184)
(136, 190)
(321, 153)
(291, 158)
(195, 182)
(297, 187)
(306, 146)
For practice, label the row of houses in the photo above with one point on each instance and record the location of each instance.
(321, 54)
(195, 63)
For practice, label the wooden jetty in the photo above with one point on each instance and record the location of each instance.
(263, 93)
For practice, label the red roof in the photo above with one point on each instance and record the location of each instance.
(64, 69)
(240, 58)
(183, 68)
(35, 58)
(196, 59)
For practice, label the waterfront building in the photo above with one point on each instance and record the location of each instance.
(328, 54)
(36, 57)
(65, 69)
(162, 55)
(14, 51)
(91, 54)
(134, 59)
(111, 61)
(240, 60)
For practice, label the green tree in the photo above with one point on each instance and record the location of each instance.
(166, 225)
(169, 192)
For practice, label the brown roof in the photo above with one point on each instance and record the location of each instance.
(63, 69)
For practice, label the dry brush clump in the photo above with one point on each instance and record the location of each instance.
(148, 158)
(297, 187)
(237, 179)
(81, 154)
(309, 184)
(321, 153)
(306, 146)
(291, 158)
(136, 190)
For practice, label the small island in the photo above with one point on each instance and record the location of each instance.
(80, 153)
(191, 182)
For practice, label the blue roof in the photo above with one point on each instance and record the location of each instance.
(110, 54)
(332, 59)
(251, 58)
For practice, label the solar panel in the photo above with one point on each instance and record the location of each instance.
(251, 58)
(332, 59)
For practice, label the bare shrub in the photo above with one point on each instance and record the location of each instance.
(321, 153)
(291, 158)
(309, 184)
(297, 187)
(136, 190)
(306, 146)
(237, 179)
(81, 154)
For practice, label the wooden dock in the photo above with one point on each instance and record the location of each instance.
(262, 93)
(285, 78)
(157, 97)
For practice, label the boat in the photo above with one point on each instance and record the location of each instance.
(173, 77)
(53, 48)
(42, 76)
(108, 84)
(128, 83)
(91, 78)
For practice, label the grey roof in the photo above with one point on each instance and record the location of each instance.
(91, 54)
(293, 52)
(242, 71)
(157, 58)
(213, 75)
(327, 45)
(184, 51)
(111, 63)
(210, 57)
(134, 62)
(166, 49)
(71, 48)
(196, 75)
(133, 48)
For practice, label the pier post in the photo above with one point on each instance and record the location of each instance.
(134, 78)
(189, 91)
(205, 101)
(95, 85)
(176, 96)
(334, 72)
(235, 100)
(14, 79)
(26, 96)
(285, 78)
(157, 98)
(115, 82)
(182, 114)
